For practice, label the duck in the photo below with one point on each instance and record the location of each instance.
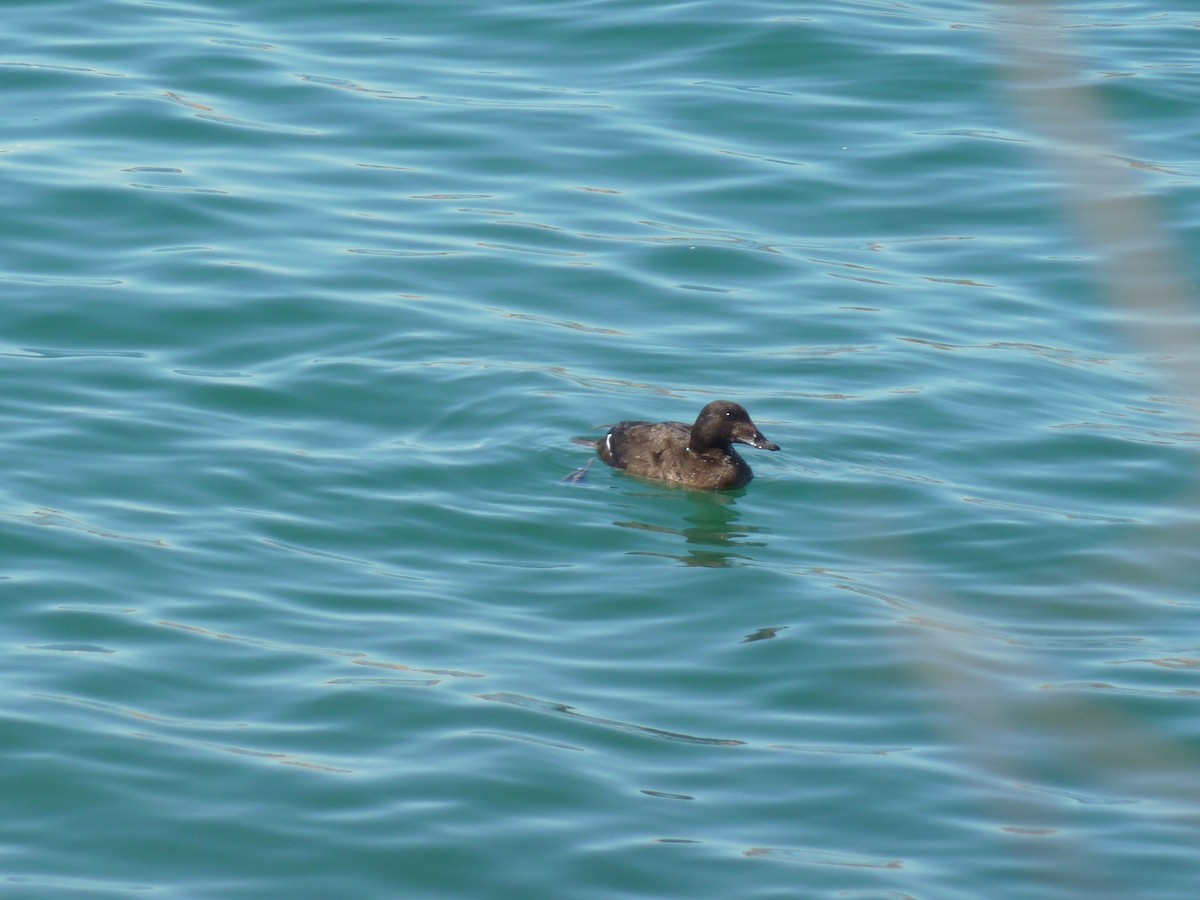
(699, 457)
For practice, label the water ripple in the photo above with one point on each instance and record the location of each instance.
(561, 709)
(822, 858)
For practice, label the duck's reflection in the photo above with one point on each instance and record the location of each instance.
(709, 529)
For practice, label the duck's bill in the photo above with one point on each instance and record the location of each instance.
(758, 442)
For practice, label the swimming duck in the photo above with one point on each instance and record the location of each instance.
(699, 457)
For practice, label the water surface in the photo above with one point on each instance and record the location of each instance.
(304, 304)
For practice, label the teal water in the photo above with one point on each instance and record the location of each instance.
(303, 304)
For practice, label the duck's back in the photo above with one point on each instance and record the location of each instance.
(642, 444)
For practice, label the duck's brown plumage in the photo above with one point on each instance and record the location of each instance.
(698, 456)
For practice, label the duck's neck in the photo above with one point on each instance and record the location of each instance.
(699, 448)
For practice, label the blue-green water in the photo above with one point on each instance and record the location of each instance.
(303, 304)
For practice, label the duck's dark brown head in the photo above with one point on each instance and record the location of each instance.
(723, 423)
